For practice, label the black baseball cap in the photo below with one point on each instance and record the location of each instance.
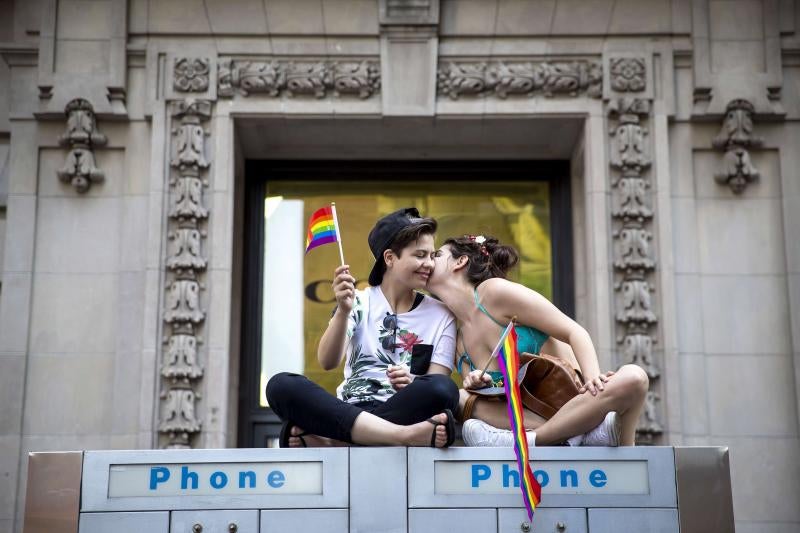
(381, 237)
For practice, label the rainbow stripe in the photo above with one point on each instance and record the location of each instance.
(321, 229)
(508, 361)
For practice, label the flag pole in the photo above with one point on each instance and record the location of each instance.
(338, 233)
(499, 344)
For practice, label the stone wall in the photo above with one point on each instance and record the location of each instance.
(124, 125)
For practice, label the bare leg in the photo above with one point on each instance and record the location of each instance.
(312, 441)
(372, 430)
(624, 393)
(496, 413)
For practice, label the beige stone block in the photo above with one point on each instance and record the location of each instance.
(124, 393)
(83, 20)
(689, 315)
(12, 378)
(177, 16)
(219, 309)
(684, 237)
(581, 17)
(791, 221)
(745, 315)
(137, 18)
(68, 395)
(736, 19)
(20, 230)
(708, 162)
(635, 16)
(24, 101)
(525, 17)
(680, 157)
(74, 313)
(82, 57)
(290, 16)
(350, 17)
(794, 301)
(9, 466)
(78, 235)
(133, 233)
(468, 17)
(15, 306)
(137, 158)
(130, 311)
(767, 527)
(110, 160)
(694, 404)
(766, 406)
(765, 477)
(737, 56)
(299, 46)
(123, 442)
(741, 237)
(684, 91)
(22, 164)
(137, 93)
(791, 91)
(237, 16)
(691, 440)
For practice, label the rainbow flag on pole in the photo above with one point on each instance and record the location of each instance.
(508, 361)
(323, 228)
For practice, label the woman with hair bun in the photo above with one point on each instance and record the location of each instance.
(469, 277)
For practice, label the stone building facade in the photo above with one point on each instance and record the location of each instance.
(124, 130)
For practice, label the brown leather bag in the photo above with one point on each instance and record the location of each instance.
(548, 382)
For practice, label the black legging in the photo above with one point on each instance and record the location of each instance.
(307, 405)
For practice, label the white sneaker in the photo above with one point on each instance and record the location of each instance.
(606, 434)
(577, 440)
(479, 433)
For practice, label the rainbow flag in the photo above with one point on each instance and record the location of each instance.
(321, 228)
(508, 361)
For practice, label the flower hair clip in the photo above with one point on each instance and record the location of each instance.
(480, 239)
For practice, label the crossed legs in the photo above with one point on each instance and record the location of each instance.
(624, 393)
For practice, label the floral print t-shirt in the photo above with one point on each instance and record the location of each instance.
(377, 338)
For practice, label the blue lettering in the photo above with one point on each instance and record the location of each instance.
(186, 476)
(250, 476)
(158, 474)
(218, 479)
(275, 479)
(573, 477)
(480, 473)
(598, 478)
(542, 477)
(510, 476)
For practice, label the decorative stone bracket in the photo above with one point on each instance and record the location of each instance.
(735, 138)
(183, 314)
(528, 78)
(634, 261)
(81, 137)
(317, 78)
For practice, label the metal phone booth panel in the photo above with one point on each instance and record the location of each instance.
(364, 489)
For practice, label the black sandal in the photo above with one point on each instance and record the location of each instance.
(449, 426)
(286, 434)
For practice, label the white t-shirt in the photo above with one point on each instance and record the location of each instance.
(430, 327)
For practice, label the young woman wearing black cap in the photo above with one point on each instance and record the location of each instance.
(398, 346)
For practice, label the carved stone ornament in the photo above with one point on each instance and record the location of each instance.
(735, 138)
(628, 74)
(501, 78)
(191, 74)
(183, 315)
(81, 137)
(634, 260)
(299, 78)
